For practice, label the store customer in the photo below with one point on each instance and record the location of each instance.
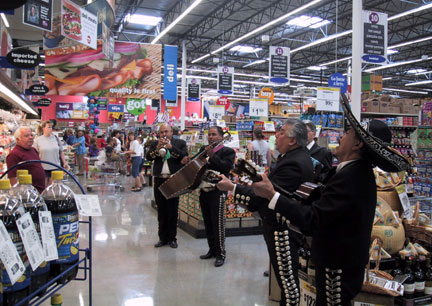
(212, 200)
(24, 151)
(163, 167)
(136, 152)
(260, 145)
(93, 147)
(341, 220)
(50, 149)
(80, 151)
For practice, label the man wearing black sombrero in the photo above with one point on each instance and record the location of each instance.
(341, 220)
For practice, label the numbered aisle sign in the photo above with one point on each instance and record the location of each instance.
(216, 112)
(328, 99)
(258, 107)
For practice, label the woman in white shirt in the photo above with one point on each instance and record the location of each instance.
(261, 146)
(136, 151)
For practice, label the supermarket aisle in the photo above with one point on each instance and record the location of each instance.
(129, 271)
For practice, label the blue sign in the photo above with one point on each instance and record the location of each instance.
(170, 72)
(373, 58)
(339, 81)
(279, 80)
(115, 108)
(224, 92)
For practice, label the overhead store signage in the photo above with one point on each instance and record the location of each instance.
(108, 43)
(171, 103)
(136, 106)
(374, 37)
(225, 83)
(266, 93)
(328, 99)
(155, 104)
(258, 107)
(78, 24)
(194, 89)
(102, 102)
(23, 58)
(216, 112)
(170, 72)
(279, 64)
(105, 13)
(38, 90)
(71, 110)
(115, 111)
(338, 80)
(81, 71)
(44, 102)
(38, 14)
(223, 101)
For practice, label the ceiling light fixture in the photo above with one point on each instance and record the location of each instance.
(245, 49)
(21, 103)
(386, 79)
(254, 63)
(425, 72)
(260, 29)
(305, 21)
(419, 83)
(416, 71)
(143, 19)
(5, 21)
(406, 91)
(317, 68)
(416, 10)
(398, 64)
(336, 61)
(411, 42)
(322, 40)
(168, 28)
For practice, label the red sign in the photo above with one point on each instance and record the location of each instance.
(223, 101)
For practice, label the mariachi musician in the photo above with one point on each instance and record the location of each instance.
(166, 155)
(293, 167)
(341, 219)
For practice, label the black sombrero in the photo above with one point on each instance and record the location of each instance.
(377, 137)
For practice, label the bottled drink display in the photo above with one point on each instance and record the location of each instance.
(409, 284)
(428, 276)
(397, 269)
(60, 201)
(12, 209)
(18, 173)
(419, 277)
(33, 203)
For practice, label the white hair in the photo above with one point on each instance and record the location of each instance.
(17, 133)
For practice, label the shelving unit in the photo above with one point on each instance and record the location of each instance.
(388, 114)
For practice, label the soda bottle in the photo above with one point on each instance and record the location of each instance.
(56, 299)
(33, 203)
(18, 173)
(60, 201)
(12, 209)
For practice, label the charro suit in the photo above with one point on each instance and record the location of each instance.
(341, 224)
(167, 209)
(290, 171)
(213, 203)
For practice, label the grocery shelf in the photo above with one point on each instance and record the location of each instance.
(402, 126)
(388, 114)
(8, 146)
(425, 126)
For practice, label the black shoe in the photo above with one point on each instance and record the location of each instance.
(159, 244)
(173, 244)
(266, 273)
(207, 256)
(219, 261)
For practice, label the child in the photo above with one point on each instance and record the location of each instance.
(93, 148)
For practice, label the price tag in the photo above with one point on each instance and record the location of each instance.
(31, 241)
(88, 205)
(9, 256)
(49, 243)
(258, 107)
(308, 294)
(221, 123)
(328, 99)
(235, 142)
(365, 304)
(269, 126)
(216, 112)
(403, 196)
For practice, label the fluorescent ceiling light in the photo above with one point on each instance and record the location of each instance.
(168, 28)
(5, 21)
(425, 72)
(305, 21)
(416, 10)
(255, 63)
(411, 42)
(200, 58)
(416, 71)
(336, 61)
(245, 49)
(21, 103)
(317, 68)
(407, 91)
(419, 83)
(391, 51)
(143, 19)
(397, 64)
(385, 79)
(322, 40)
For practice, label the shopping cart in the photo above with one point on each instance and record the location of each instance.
(104, 174)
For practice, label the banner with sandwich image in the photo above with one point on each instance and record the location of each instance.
(135, 71)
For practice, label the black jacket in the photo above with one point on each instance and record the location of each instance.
(293, 169)
(323, 155)
(221, 161)
(341, 220)
(178, 151)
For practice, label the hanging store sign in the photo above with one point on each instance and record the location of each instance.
(105, 13)
(44, 102)
(338, 80)
(194, 89)
(374, 37)
(279, 64)
(170, 72)
(136, 106)
(223, 101)
(171, 103)
(38, 90)
(38, 14)
(115, 111)
(225, 83)
(266, 93)
(23, 58)
(258, 107)
(328, 99)
(78, 24)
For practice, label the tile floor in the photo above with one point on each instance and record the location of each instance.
(129, 271)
